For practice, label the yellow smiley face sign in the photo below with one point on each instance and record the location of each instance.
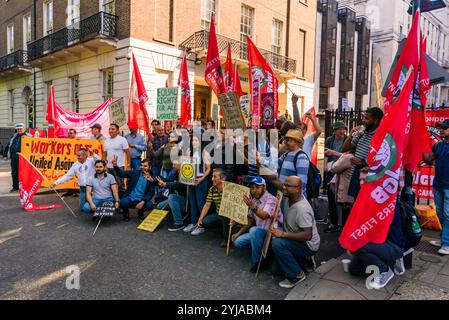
(187, 175)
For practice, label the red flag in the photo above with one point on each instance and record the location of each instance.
(231, 76)
(137, 111)
(30, 180)
(237, 85)
(261, 70)
(311, 130)
(373, 211)
(183, 82)
(51, 112)
(214, 74)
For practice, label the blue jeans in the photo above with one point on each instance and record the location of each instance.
(83, 198)
(176, 204)
(126, 204)
(136, 163)
(97, 203)
(291, 255)
(197, 199)
(215, 221)
(442, 206)
(253, 240)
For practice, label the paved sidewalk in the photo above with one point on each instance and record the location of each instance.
(427, 280)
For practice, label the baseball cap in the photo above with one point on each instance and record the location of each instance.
(20, 126)
(444, 125)
(258, 181)
(96, 126)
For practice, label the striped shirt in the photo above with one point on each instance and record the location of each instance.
(300, 169)
(214, 196)
(362, 144)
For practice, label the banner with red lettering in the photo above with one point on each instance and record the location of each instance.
(373, 211)
(30, 180)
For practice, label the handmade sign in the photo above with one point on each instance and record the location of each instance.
(188, 172)
(117, 113)
(54, 157)
(105, 210)
(232, 204)
(167, 103)
(245, 105)
(153, 220)
(232, 112)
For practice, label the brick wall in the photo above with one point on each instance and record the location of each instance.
(13, 12)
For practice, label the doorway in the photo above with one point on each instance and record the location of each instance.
(202, 103)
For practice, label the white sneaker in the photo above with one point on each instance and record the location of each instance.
(435, 243)
(198, 231)
(189, 228)
(399, 268)
(382, 279)
(444, 250)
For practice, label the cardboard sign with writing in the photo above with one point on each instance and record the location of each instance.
(232, 112)
(153, 220)
(187, 174)
(54, 157)
(167, 103)
(117, 113)
(232, 204)
(268, 237)
(245, 104)
(106, 209)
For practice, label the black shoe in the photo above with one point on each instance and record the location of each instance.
(141, 215)
(13, 190)
(321, 221)
(331, 229)
(67, 194)
(310, 264)
(76, 195)
(176, 227)
(126, 218)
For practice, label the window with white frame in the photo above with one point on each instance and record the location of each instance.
(74, 93)
(26, 30)
(73, 11)
(11, 105)
(48, 17)
(108, 84)
(246, 23)
(107, 6)
(276, 37)
(10, 38)
(208, 8)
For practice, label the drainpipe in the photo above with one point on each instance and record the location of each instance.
(34, 69)
(287, 32)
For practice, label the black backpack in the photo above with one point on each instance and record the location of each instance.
(313, 176)
(411, 224)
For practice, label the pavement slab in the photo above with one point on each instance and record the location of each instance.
(331, 290)
(412, 290)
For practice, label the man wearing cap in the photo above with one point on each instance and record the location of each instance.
(137, 145)
(440, 154)
(14, 147)
(96, 133)
(333, 151)
(261, 206)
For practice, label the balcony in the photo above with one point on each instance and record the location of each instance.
(198, 43)
(99, 26)
(16, 62)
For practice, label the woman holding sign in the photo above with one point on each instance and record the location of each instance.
(198, 193)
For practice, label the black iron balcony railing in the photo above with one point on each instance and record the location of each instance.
(100, 24)
(200, 40)
(13, 60)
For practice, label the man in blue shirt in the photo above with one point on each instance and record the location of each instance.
(140, 189)
(441, 184)
(137, 145)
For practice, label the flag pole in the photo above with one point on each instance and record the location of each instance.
(98, 225)
(228, 247)
(68, 207)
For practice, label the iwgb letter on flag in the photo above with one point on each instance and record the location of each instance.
(30, 180)
(373, 211)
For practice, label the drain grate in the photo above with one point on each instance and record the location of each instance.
(425, 246)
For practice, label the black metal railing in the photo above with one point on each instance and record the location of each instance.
(351, 119)
(15, 59)
(100, 24)
(200, 40)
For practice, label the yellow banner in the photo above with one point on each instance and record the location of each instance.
(153, 220)
(55, 157)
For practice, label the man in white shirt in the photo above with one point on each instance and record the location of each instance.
(82, 169)
(116, 148)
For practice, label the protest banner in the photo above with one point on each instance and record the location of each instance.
(187, 174)
(153, 220)
(232, 113)
(54, 157)
(267, 106)
(232, 204)
(117, 113)
(255, 104)
(105, 210)
(167, 103)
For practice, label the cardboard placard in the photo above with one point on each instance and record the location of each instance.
(245, 105)
(153, 220)
(105, 210)
(117, 113)
(232, 112)
(232, 204)
(167, 103)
